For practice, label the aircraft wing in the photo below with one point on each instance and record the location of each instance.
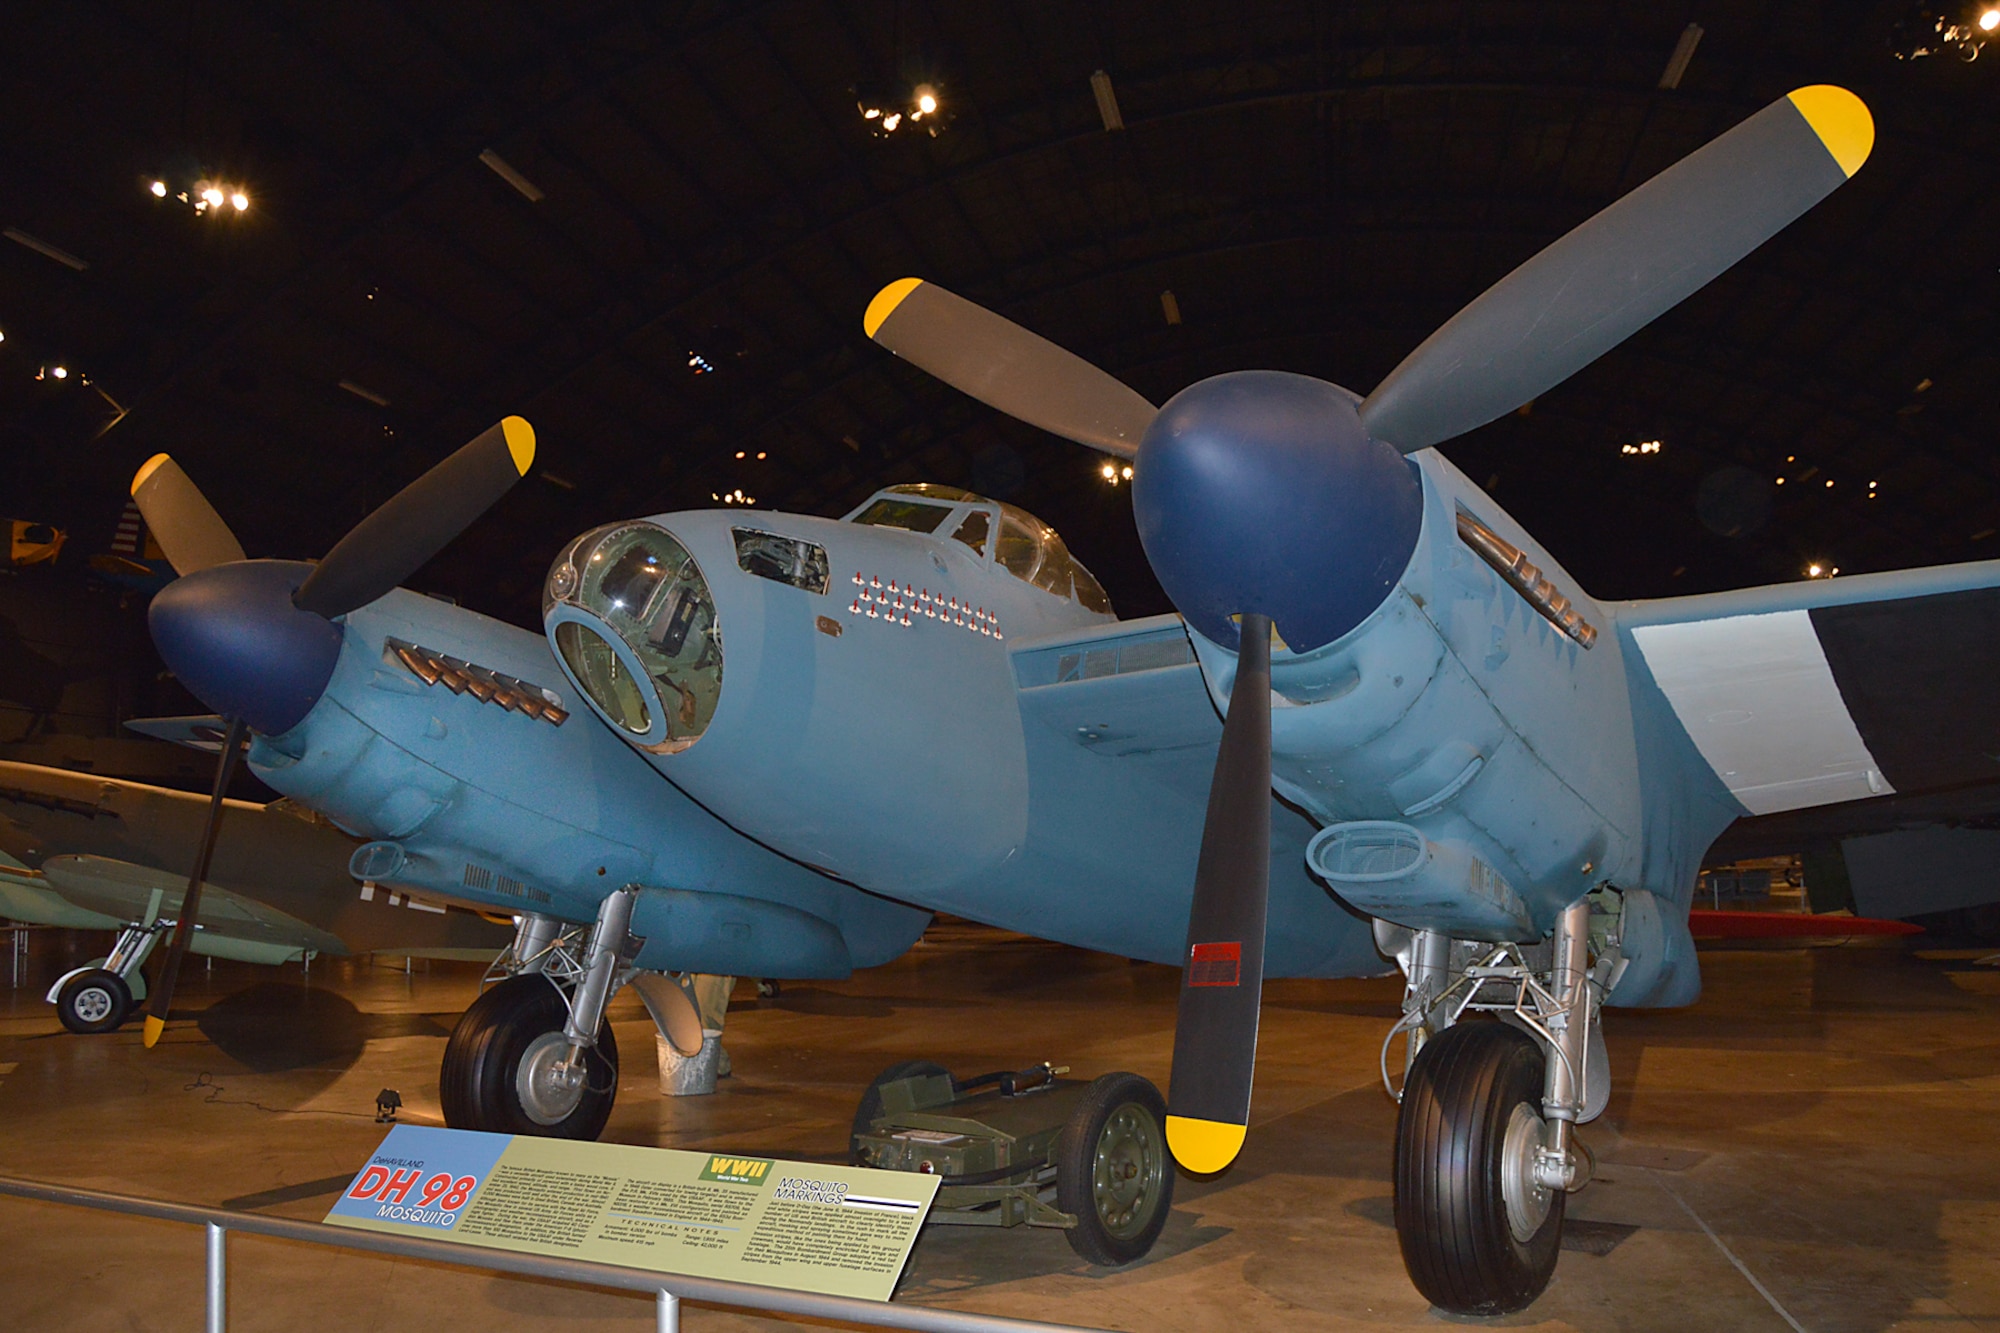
(26, 896)
(126, 891)
(102, 847)
(1812, 693)
(1855, 720)
(1130, 688)
(1122, 734)
(200, 732)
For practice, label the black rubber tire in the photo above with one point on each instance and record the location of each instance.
(1118, 1216)
(476, 1082)
(870, 1106)
(94, 991)
(1451, 1212)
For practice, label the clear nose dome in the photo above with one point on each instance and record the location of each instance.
(645, 649)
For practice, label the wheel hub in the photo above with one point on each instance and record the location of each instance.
(1526, 1197)
(93, 1004)
(549, 1087)
(1127, 1170)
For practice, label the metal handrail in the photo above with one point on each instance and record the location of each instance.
(670, 1288)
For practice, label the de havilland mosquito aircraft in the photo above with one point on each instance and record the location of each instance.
(803, 734)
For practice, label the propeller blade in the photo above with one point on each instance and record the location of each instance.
(418, 521)
(161, 1001)
(1215, 1032)
(1613, 275)
(1006, 367)
(181, 519)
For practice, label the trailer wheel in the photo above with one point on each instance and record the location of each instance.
(870, 1109)
(1113, 1171)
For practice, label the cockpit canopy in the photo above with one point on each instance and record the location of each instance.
(1013, 538)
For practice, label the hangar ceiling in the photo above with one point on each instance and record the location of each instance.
(1317, 185)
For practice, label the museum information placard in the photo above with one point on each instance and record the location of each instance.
(840, 1230)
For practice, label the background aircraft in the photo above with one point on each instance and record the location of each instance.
(96, 853)
(1507, 786)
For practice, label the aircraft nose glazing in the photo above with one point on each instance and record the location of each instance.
(231, 635)
(1259, 491)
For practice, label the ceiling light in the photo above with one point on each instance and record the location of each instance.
(1677, 63)
(1989, 20)
(926, 99)
(739, 453)
(1814, 570)
(1781, 481)
(502, 168)
(159, 189)
(212, 196)
(239, 201)
(43, 248)
(760, 455)
(1125, 472)
(891, 121)
(1107, 101)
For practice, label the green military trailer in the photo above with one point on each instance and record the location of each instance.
(1028, 1146)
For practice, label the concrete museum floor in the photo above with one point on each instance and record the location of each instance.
(1812, 1146)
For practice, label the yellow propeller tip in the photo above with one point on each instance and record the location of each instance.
(154, 1027)
(886, 301)
(1203, 1146)
(1841, 120)
(147, 469)
(520, 442)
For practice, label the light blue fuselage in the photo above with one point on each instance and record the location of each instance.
(989, 776)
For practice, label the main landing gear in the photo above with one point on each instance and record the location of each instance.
(101, 997)
(534, 1055)
(1505, 1058)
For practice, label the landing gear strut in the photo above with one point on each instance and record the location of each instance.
(533, 1055)
(99, 999)
(1485, 1146)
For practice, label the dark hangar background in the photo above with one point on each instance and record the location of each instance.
(1318, 186)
